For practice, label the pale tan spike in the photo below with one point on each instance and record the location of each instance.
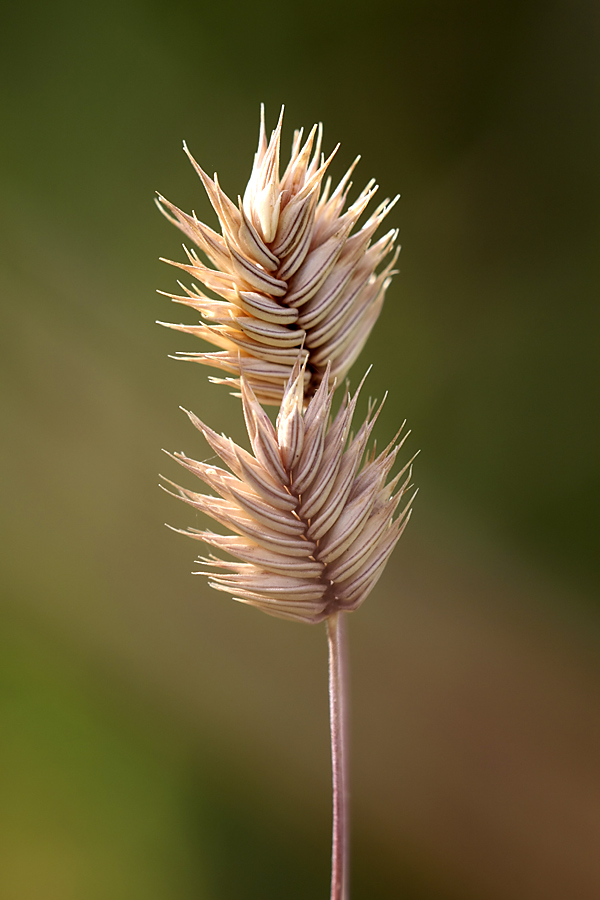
(218, 479)
(347, 528)
(274, 586)
(338, 313)
(211, 243)
(266, 486)
(317, 175)
(226, 211)
(266, 310)
(293, 221)
(269, 560)
(296, 143)
(350, 589)
(356, 326)
(332, 291)
(255, 277)
(250, 242)
(343, 184)
(315, 496)
(315, 426)
(261, 374)
(223, 283)
(299, 246)
(262, 136)
(295, 174)
(263, 436)
(270, 333)
(303, 550)
(351, 560)
(317, 155)
(309, 279)
(348, 219)
(224, 447)
(291, 241)
(268, 515)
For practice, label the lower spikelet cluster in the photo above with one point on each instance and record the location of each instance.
(312, 514)
(287, 272)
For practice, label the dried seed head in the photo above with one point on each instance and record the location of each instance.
(313, 518)
(287, 270)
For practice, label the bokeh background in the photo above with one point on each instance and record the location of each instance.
(158, 740)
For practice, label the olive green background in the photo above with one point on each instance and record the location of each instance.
(160, 741)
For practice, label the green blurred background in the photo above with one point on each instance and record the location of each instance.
(161, 742)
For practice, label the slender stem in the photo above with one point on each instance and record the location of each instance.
(339, 761)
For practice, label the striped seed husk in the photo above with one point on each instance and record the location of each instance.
(286, 272)
(312, 514)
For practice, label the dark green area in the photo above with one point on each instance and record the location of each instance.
(106, 797)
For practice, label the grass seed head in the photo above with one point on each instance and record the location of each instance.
(313, 516)
(288, 273)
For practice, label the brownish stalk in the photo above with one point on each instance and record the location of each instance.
(338, 686)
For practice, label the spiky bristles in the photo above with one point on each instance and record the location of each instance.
(312, 514)
(287, 270)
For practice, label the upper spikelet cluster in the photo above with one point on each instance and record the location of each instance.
(290, 274)
(314, 524)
